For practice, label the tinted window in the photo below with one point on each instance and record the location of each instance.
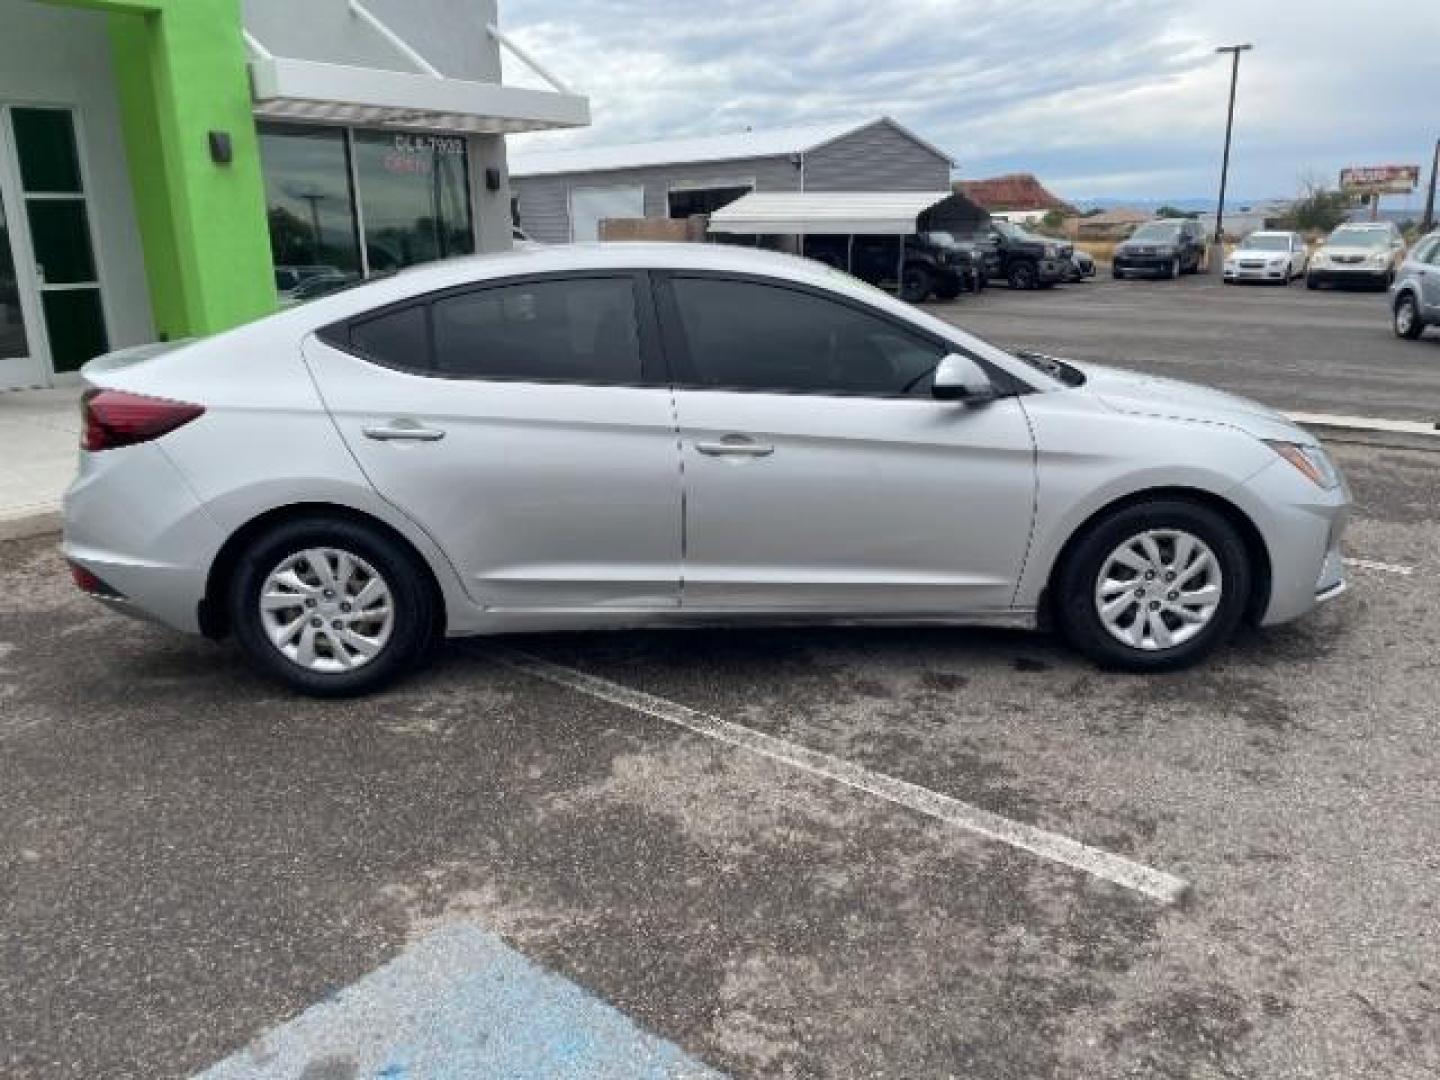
(763, 337)
(573, 330)
(397, 337)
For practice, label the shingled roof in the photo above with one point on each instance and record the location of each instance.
(1017, 191)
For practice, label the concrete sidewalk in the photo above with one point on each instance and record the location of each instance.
(39, 441)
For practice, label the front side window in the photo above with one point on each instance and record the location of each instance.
(574, 330)
(749, 336)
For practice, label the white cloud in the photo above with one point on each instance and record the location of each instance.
(1118, 97)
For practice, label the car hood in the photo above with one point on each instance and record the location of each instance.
(1346, 249)
(1153, 395)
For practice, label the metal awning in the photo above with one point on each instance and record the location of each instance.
(820, 213)
(285, 88)
(288, 89)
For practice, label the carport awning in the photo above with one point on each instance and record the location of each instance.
(835, 213)
(291, 89)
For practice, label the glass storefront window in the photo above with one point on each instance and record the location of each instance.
(410, 197)
(414, 196)
(309, 205)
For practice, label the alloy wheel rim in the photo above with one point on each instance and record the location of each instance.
(1405, 316)
(1159, 589)
(327, 610)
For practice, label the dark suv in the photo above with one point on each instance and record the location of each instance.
(935, 263)
(1167, 248)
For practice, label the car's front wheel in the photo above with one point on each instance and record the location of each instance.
(1023, 275)
(1173, 271)
(332, 607)
(1407, 321)
(1155, 586)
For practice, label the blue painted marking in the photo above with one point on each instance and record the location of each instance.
(461, 1004)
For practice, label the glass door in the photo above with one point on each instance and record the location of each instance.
(60, 262)
(20, 364)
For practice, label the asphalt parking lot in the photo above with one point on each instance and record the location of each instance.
(189, 856)
(1326, 351)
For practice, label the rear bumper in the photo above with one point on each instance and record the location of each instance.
(132, 521)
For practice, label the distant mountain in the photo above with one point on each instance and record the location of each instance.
(1197, 204)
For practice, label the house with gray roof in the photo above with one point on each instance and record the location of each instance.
(563, 195)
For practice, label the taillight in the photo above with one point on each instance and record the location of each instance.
(115, 418)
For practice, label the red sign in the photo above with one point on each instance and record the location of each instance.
(1380, 179)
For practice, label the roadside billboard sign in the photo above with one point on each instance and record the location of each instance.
(1379, 179)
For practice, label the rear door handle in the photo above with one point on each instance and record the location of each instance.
(735, 446)
(404, 431)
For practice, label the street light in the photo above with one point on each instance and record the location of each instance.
(1217, 255)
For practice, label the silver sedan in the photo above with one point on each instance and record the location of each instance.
(597, 436)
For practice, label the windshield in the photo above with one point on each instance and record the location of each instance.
(1156, 231)
(1263, 242)
(1361, 238)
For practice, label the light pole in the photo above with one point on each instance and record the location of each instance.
(1217, 251)
(1429, 222)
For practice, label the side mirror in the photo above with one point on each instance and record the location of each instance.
(960, 378)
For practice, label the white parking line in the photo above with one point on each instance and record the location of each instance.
(1061, 849)
(1382, 567)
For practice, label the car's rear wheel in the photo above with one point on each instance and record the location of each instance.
(1407, 321)
(1155, 586)
(1023, 275)
(331, 606)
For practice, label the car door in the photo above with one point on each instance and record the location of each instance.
(519, 424)
(820, 475)
(1427, 273)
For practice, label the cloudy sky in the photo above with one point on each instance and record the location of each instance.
(1120, 98)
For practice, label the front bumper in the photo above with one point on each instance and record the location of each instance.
(1257, 273)
(1349, 275)
(1144, 264)
(1302, 527)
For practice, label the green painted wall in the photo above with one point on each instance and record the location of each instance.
(181, 73)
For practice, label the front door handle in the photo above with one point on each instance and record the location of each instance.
(404, 431)
(735, 446)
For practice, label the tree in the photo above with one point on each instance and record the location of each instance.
(1168, 211)
(1318, 208)
(1053, 219)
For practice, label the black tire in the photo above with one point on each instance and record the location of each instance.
(416, 607)
(1405, 319)
(948, 290)
(1117, 273)
(1022, 275)
(1075, 583)
(916, 284)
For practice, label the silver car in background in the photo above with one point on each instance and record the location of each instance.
(1415, 296)
(604, 436)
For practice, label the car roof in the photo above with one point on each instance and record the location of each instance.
(561, 258)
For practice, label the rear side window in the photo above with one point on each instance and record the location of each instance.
(397, 338)
(571, 330)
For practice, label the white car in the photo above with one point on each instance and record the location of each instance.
(1358, 253)
(626, 434)
(1277, 257)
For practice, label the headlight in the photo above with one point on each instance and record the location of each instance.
(1310, 460)
(1276, 260)
(1051, 251)
(1378, 259)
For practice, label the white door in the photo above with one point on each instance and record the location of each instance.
(820, 475)
(51, 275)
(529, 440)
(22, 344)
(589, 206)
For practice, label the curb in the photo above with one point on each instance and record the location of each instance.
(29, 522)
(1362, 431)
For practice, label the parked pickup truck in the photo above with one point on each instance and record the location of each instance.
(935, 263)
(1028, 261)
